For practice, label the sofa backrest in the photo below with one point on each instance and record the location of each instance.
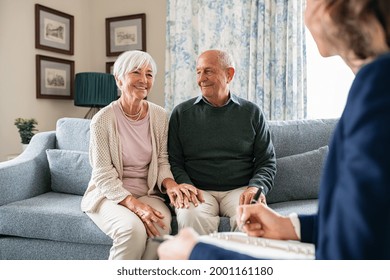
(299, 136)
(289, 137)
(298, 146)
(72, 134)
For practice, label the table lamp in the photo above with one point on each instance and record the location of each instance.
(95, 90)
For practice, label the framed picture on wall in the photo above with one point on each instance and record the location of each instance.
(125, 33)
(110, 67)
(110, 70)
(54, 77)
(54, 30)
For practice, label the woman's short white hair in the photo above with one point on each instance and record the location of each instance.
(131, 60)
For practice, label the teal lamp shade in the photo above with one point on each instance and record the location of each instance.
(94, 90)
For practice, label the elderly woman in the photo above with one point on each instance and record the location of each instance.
(128, 154)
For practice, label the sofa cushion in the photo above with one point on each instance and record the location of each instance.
(73, 134)
(294, 137)
(301, 207)
(51, 216)
(20, 248)
(70, 171)
(298, 176)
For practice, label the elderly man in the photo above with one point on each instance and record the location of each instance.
(220, 146)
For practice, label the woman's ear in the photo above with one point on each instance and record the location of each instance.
(118, 82)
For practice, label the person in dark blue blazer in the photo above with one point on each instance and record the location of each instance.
(353, 219)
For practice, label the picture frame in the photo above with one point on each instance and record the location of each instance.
(54, 77)
(110, 70)
(54, 30)
(110, 67)
(125, 33)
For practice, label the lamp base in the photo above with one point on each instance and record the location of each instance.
(91, 112)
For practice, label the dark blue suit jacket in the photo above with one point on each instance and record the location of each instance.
(353, 220)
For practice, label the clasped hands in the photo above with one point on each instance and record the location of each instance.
(181, 195)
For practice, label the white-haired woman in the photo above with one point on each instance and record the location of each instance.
(128, 154)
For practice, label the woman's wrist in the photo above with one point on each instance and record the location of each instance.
(289, 229)
(128, 202)
(296, 224)
(168, 183)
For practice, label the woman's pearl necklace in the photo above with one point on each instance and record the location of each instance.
(136, 116)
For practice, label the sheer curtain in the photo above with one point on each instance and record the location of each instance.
(266, 39)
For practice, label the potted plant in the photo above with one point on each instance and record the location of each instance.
(26, 129)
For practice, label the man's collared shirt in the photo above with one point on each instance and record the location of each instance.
(232, 97)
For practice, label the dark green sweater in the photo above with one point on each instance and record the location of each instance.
(221, 148)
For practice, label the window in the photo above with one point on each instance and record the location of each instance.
(328, 83)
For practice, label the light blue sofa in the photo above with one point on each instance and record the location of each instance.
(40, 191)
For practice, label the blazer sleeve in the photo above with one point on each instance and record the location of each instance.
(308, 228)
(203, 251)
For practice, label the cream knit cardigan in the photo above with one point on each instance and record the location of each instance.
(105, 156)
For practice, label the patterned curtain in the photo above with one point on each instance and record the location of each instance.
(266, 39)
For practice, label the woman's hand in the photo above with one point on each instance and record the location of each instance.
(180, 247)
(261, 221)
(148, 215)
(180, 195)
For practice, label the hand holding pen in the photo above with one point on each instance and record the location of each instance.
(259, 220)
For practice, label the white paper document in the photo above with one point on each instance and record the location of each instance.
(263, 248)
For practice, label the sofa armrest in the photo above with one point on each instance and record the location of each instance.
(28, 174)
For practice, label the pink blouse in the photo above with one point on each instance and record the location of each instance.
(136, 144)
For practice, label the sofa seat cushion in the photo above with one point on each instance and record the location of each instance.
(20, 248)
(51, 216)
(301, 207)
(70, 171)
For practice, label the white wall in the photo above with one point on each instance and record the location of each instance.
(17, 57)
(328, 83)
(155, 11)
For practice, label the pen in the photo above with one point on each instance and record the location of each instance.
(254, 200)
(257, 195)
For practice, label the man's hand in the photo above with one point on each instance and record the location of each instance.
(247, 196)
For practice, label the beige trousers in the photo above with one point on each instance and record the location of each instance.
(130, 240)
(204, 218)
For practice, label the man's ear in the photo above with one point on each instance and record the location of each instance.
(230, 74)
